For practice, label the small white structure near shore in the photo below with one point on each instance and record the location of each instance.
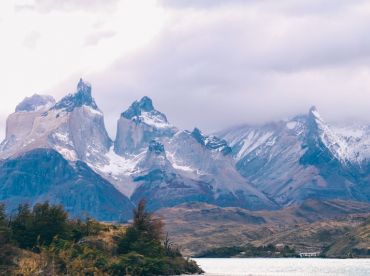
(309, 254)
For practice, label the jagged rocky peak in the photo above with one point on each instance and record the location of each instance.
(316, 123)
(34, 103)
(84, 86)
(155, 158)
(138, 107)
(314, 113)
(211, 142)
(156, 147)
(140, 124)
(143, 111)
(198, 135)
(315, 116)
(80, 98)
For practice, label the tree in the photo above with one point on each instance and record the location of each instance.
(40, 226)
(4, 229)
(49, 221)
(21, 227)
(145, 251)
(144, 236)
(7, 251)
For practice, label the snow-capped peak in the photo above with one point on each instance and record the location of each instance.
(143, 111)
(211, 142)
(314, 113)
(319, 130)
(84, 86)
(35, 103)
(80, 98)
(139, 107)
(140, 124)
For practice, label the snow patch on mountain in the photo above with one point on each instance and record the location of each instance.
(152, 120)
(247, 139)
(336, 145)
(357, 141)
(348, 143)
(291, 124)
(143, 111)
(117, 165)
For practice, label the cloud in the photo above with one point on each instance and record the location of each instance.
(31, 39)
(67, 5)
(226, 66)
(204, 4)
(23, 7)
(44, 43)
(292, 7)
(216, 63)
(73, 5)
(97, 37)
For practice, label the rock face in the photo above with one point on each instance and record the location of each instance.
(81, 98)
(302, 158)
(168, 166)
(211, 142)
(74, 126)
(20, 124)
(167, 183)
(140, 124)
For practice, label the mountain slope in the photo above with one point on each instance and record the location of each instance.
(140, 124)
(154, 159)
(149, 158)
(74, 126)
(198, 227)
(355, 243)
(298, 159)
(44, 175)
(251, 167)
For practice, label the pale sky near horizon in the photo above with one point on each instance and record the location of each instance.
(210, 64)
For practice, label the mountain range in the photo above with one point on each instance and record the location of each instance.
(61, 152)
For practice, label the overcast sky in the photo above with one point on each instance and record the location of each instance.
(205, 63)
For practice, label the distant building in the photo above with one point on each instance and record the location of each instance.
(309, 254)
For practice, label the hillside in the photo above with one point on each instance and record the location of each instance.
(355, 243)
(44, 241)
(309, 226)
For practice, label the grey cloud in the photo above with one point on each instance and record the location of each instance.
(292, 7)
(313, 7)
(220, 67)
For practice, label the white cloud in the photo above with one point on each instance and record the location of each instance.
(250, 63)
(41, 49)
(206, 63)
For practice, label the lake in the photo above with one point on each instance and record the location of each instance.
(289, 267)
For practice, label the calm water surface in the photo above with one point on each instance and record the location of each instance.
(289, 267)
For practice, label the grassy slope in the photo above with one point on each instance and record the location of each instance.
(311, 226)
(354, 243)
(30, 263)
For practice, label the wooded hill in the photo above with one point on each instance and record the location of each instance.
(42, 240)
